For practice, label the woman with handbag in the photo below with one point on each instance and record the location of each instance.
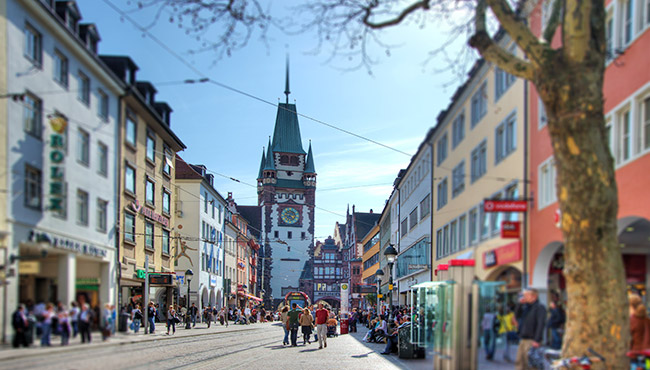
(172, 319)
(284, 317)
(306, 322)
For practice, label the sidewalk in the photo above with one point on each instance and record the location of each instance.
(7, 352)
(427, 363)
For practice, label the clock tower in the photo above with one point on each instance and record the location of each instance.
(286, 188)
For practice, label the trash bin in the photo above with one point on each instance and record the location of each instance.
(124, 321)
(406, 349)
(345, 323)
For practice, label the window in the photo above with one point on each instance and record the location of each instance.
(496, 217)
(148, 235)
(82, 207)
(541, 113)
(512, 192)
(33, 45)
(167, 161)
(33, 189)
(458, 179)
(646, 117)
(129, 227)
(151, 149)
(60, 68)
(462, 236)
(439, 251)
(130, 130)
(103, 105)
(165, 241)
(445, 240)
(149, 192)
(453, 236)
(303, 235)
(502, 81)
(83, 148)
(547, 193)
(129, 179)
(609, 37)
(33, 115)
(479, 161)
(626, 22)
(289, 234)
(442, 193)
(485, 222)
(276, 234)
(458, 130)
(166, 201)
(413, 218)
(442, 149)
(479, 104)
(505, 140)
(425, 206)
(405, 225)
(84, 88)
(102, 215)
(102, 154)
(624, 138)
(473, 225)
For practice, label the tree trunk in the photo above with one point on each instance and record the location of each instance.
(597, 314)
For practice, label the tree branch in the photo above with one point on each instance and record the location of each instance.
(553, 21)
(576, 29)
(422, 4)
(517, 29)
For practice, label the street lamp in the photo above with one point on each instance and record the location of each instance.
(390, 254)
(380, 275)
(188, 277)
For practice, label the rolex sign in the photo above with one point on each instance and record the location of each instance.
(345, 293)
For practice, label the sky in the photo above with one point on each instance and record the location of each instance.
(224, 130)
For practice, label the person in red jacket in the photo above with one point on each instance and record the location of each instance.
(322, 314)
(639, 324)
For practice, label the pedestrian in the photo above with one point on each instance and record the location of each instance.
(391, 339)
(20, 324)
(306, 323)
(223, 316)
(555, 323)
(208, 315)
(85, 319)
(193, 311)
(46, 324)
(531, 318)
(294, 323)
(321, 325)
(107, 322)
(508, 329)
(353, 320)
(247, 314)
(64, 326)
(284, 317)
(172, 319)
(489, 326)
(74, 318)
(136, 318)
(151, 317)
(263, 313)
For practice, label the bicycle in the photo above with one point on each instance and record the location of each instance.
(639, 360)
(582, 362)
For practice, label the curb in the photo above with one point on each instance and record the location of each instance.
(67, 349)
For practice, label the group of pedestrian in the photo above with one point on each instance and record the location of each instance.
(47, 319)
(306, 319)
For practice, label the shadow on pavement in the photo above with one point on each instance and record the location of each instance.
(363, 355)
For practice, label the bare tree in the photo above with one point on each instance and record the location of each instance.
(568, 74)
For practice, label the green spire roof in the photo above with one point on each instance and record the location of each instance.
(309, 166)
(261, 174)
(270, 163)
(286, 136)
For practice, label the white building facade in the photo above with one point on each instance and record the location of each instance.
(61, 152)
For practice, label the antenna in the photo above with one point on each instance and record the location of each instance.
(286, 87)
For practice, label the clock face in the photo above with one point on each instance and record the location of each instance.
(290, 215)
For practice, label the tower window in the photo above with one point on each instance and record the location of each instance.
(289, 234)
(294, 161)
(276, 234)
(284, 159)
(303, 235)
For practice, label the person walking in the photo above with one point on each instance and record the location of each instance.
(247, 314)
(294, 322)
(531, 317)
(508, 329)
(46, 325)
(151, 317)
(136, 317)
(74, 318)
(85, 319)
(64, 326)
(171, 320)
(208, 315)
(20, 324)
(193, 311)
(284, 318)
(306, 323)
(555, 323)
(488, 325)
(322, 314)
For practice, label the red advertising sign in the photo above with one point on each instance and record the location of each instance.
(500, 256)
(505, 206)
(510, 229)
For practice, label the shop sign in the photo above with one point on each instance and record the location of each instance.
(418, 267)
(162, 279)
(29, 267)
(87, 281)
(180, 278)
(213, 280)
(505, 206)
(57, 154)
(500, 256)
(510, 229)
(149, 213)
(67, 244)
(140, 274)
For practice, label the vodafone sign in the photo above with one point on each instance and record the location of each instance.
(505, 206)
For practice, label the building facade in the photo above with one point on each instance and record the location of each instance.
(60, 150)
(327, 273)
(286, 188)
(369, 264)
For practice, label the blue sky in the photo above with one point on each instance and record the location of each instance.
(226, 131)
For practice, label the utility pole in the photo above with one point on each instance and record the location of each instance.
(145, 295)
